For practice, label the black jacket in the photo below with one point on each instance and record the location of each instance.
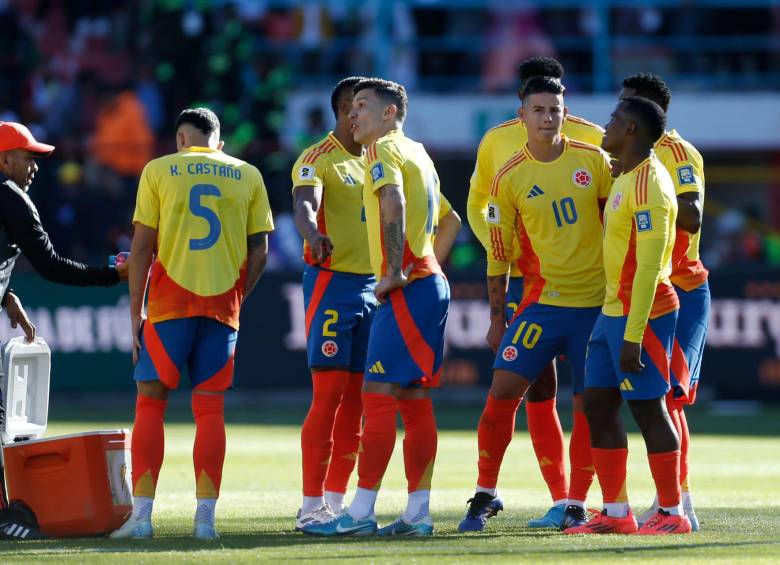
(21, 231)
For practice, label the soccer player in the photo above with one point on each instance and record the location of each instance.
(405, 348)
(628, 352)
(497, 146)
(548, 198)
(689, 277)
(205, 215)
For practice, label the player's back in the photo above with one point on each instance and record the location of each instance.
(340, 174)
(396, 159)
(686, 167)
(204, 204)
(641, 205)
(558, 222)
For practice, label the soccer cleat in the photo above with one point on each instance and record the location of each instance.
(574, 516)
(481, 508)
(134, 528)
(400, 527)
(204, 531)
(552, 519)
(647, 514)
(343, 525)
(690, 512)
(321, 514)
(664, 523)
(603, 524)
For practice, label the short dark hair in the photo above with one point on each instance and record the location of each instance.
(201, 118)
(388, 91)
(338, 92)
(536, 85)
(648, 115)
(539, 67)
(650, 86)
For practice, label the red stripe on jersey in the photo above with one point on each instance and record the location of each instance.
(167, 371)
(316, 152)
(656, 352)
(680, 370)
(627, 272)
(499, 253)
(580, 145)
(530, 265)
(505, 124)
(371, 152)
(640, 186)
(509, 165)
(665, 301)
(419, 350)
(578, 120)
(320, 285)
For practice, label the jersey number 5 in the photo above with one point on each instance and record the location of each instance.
(215, 227)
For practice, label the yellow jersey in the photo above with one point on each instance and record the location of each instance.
(553, 209)
(396, 159)
(203, 204)
(686, 167)
(495, 149)
(639, 227)
(329, 166)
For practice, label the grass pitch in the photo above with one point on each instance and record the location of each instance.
(735, 472)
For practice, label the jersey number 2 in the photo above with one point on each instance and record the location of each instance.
(215, 227)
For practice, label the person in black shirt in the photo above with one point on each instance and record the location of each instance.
(21, 232)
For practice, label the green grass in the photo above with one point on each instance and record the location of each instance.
(735, 479)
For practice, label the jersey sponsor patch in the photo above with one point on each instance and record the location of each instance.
(306, 172)
(685, 175)
(377, 172)
(643, 221)
(582, 178)
(493, 214)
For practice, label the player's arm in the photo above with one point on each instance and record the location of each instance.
(446, 231)
(307, 200)
(257, 255)
(142, 251)
(500, 222)
(689, 211)
(479, 195)
(392, 208)
(651, 242)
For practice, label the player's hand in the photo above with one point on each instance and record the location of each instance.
(321, 247)
(495, 333)
(122, 270)
(631, 357)
(18, 316)
(389, 283)
(136, 323)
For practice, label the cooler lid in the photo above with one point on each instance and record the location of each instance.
(125, 431)
(26, 372)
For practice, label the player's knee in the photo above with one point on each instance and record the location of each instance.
(543, 389)
(507, 385)
(153, 389)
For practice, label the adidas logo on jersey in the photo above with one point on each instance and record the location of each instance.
(626, 385)
(377, 368)
(535, 191)
(349, 180)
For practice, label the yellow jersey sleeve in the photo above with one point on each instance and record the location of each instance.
(683, 163)
(385, 166)
(147, 206)
(307, 171)
(444, 206)
(479, 190)
(260, 218)
(500, 221)
(582, 130)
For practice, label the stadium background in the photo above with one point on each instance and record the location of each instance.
(104, 81)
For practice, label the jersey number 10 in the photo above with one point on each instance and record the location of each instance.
(565, 211)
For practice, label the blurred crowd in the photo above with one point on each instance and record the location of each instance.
(103, 81)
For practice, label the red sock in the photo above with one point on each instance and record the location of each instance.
(685, 442)
(611, 470)
(208, 453)
(317, 432)
(419, 442)
(547, 438)
(580, 458)
(665, 468)
(494, 433)
(378, 439)
(346, 436)
(147, 445)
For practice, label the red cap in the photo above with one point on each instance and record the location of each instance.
(16, 136)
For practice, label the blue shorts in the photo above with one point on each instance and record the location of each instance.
(539, 333)
(406, 345)
(602, 366)
(689, 337)
(339, 311)
(207, 347)
(514, 296)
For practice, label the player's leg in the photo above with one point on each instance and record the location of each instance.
(346, 430)
(609, 445)
(164, 350)
(530, 342)
(210, 368)
(331, 307)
